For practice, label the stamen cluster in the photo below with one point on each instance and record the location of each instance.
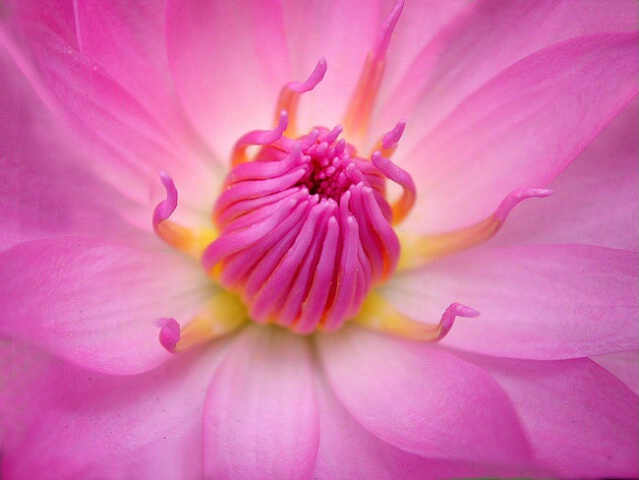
(304, 232)
(331, 170)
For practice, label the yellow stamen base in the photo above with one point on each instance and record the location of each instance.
(222, 314)
(192, 242)
(378, 314)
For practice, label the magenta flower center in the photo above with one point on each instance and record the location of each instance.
(303, 227)
(304, 231)
(331, 170)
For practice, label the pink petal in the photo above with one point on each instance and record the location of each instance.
(485, 39)
(65, 422)
(21, 366)
(580, 419)
(348, 451)
(127, 40)
(595, 200)
(261, 418)
(96, 302)
(521, 128)
(536, 302)
(124, 39)
(72, 83)
(127, 144)
(422, 399)
(56, 15)
(623, 365)
(228, 61)
(47, 188)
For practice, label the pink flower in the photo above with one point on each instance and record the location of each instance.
(100, 101)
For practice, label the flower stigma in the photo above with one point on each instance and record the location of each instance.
(303, 230)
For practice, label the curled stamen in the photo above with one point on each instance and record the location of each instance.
(389, 141)
(378, 314)
(245, 192)
(404, 204)
(259, 137)
(272, 294)
(420, 249)
(320, 278)
(169, 333)
(311, 245)
(312, 81)
(223, 314)
(360, 107)
(385, 33)
(250, 229)
(166, 207)
(342, 303)
(515, 198)
(190, 241)
(290, 94)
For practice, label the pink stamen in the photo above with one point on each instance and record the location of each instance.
(385, 33)
(300, 289)
(270, 297)
(448, 319)
(425, 248)
(238, 268)
(312, 81)
(310, 139)
(369, 239)
(166, 207)
(267, 264)
(332, 135)
(239, 208)
(290, 94)
(265, 170)
(515, 198)
(253, 227)
(381, 315)
(259, 137)
(222, 314)
(169, 333)
(405, 203)
(390, 140)
(314, 306)
(190, 241)
(383, 234)
(260, 186)
(360, 107)
(342, 294)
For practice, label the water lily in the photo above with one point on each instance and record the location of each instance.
(294, 240)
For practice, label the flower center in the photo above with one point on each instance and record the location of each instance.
(330, 170)
(304, 226)
(304, 230)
